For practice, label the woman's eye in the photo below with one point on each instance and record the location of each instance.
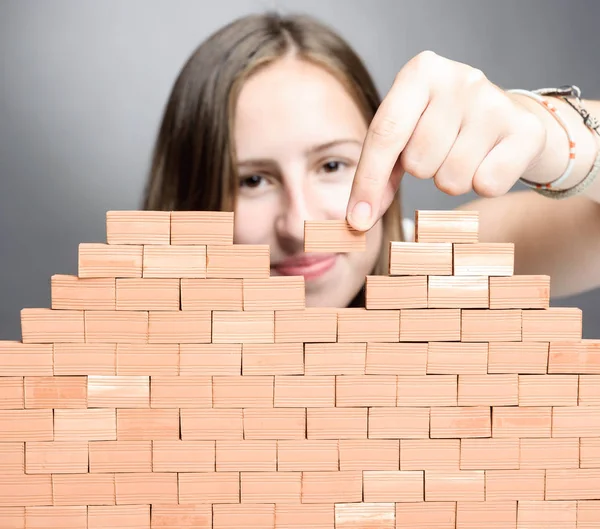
(251, 181)
(332, 166)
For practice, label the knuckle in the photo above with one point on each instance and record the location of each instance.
(424, 61)
(452, 186)
(385, 129)
(416, 165)
(487, 187)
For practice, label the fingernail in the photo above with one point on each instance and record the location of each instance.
(361, 214)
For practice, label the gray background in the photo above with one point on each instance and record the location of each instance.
(83, 84)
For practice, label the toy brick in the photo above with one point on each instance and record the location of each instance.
(146, 487)
(211, 294)
(466, 292)
(477, 514)
(11, 393)
(95, 424)
(430, 515)
(335, 358)
(488, 390)
(210, 424)
(447, 226)
(454, 485)
(396, 292)
(457, 358)
(138, 227)
(489, 454)
(484, 259)
(332, 487)
(359, 515)
(575, 357)
(486, 325)
(589, 452)
(547, 515)
(520, 292)
(69, 517)
(365, 390)
(118, 391)
(109, 261)
(275, 423)
(150, 424)
(427, 390)
(273, 359)
(429, 325)
(202, 227)
(73, 293)
(535, 421)
(548, 390)
(234, 516)
(238, 261)
(147, 359)
(309, 325)
(108, 326)
(588, 514)
(576, 421)
(246, 455)
(174, 262)
(12, 458)
(209, 487)
(461, 421)
(420, 259)
(572, 484)
(48, 326)
(56, 457)
(56, 392)
(333, 236)
(180, 391)
(398, 423)
(589, 390)
(363, 325)
(336, 423)
(19, 359)
(183, 456)
(179, 327)
(369, 454)
(554, 324)
(147, 294)
(292, 391)
(274, 293)
(210, 359)
(83, 489)
(429, 454)
(518, 357)
(24, 491)
(243, 327)
(130, 516)
(304, 516)
(519, 485)
(307, 455)
(549, 453)
(12, 517)
(85, 359)
(243, 391)
(276, 487)
(120, 456)
(180, 516)
(396, 359)
(26, 425)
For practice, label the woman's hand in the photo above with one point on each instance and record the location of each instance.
(445, 120)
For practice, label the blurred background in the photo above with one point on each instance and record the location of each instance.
(83, 84)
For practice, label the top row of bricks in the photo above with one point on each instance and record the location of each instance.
(216, 228)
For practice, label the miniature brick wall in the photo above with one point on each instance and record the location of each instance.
(174, 384)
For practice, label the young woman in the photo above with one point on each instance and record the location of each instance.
(278, 120)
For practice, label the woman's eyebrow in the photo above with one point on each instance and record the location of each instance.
(334, 143)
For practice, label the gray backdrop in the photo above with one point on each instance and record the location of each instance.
(83, 84)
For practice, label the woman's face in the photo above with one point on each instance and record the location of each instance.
(298, 136)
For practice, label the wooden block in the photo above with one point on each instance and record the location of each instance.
(457, 358)
(447, 226)
(554, 324)
(210, 359)
(12, 393)
(429, 325)
(274, 293)
(362, 325)
(335, 358)
(420, 259)
(243, 391)
(99, 359)
(365, 390)
(461, 292)
(277, 487)
(146, 487)
(120, 456)
(427, 390)
(489, 454)
(520, 292)
(524, 484)
(572, 484)
(359, 515)
(174, 262)
(138, 227)
(109, 261)
(465, 421)
(588, 514)
(147, 359)
(455, 485)
(183, 456)
(295, 391)
(304, 516)
(549, 453)
(210, 424)
(211, 294)
(69, 517)
(369, 454)
(332, 487)
(12, 517)
(24, 491)
(145, 425)
(238, 261)
(147, 294)
(108, 326)
(233, 516)
(275, 423)
(589, 390)
(523, 421)
(273, 359)
(393, 486)
(180, 516)
(336, 423)
(246, 455)
(191, 391)
(476, 514)
(83, 489)
(73, 293)
(56, 457)
(488, 390)
(396, 292)
(94, 424)
(575, 357)
(483, 325)
(26, 425)
(589, 452)
(180, 327)
(209, 487)
(438, 514)
(48, 326)
(243, 327)
(333, 236)
(309, 325)
(12, 458)
(18, 359)
(484, 259)
(201, 227)
(134, 516)
(547, 515)
(398, 423)
(518, 357)
(548, 390)
(396, 359)
(576, 421)
(56, 392)
(307, 454)
(429, 454)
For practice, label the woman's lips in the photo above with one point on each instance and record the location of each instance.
(310, 267)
